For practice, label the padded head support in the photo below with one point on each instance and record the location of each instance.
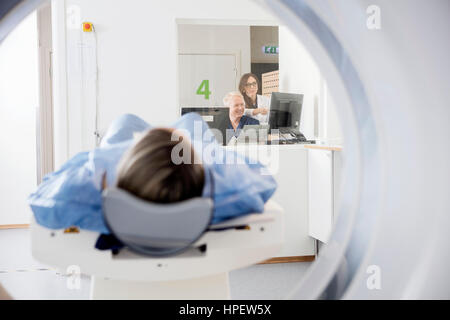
(155, 229)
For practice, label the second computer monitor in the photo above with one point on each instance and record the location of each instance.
(285, 110)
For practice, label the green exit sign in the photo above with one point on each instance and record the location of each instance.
(270, 49)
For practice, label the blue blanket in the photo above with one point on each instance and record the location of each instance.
(71, 196)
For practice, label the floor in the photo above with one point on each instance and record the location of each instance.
(25, 278)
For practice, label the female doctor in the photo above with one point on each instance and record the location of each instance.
(256, 106)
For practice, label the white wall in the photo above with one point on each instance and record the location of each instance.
(333, 133)
(18, 104)
(213, 39)
(137, 56)
(137, 48)
(263, 36)
(299, 74)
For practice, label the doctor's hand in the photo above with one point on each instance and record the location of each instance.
(263, 111)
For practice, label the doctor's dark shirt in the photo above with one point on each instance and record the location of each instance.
(244, 121)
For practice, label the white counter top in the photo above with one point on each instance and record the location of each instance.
(287, 146)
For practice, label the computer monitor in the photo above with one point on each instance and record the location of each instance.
(285, 110)
(216, 118)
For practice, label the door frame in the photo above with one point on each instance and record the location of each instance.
(44, 119)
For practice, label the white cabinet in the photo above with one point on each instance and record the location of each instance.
(289, 166)
(291, 193)
(323, 181)
(308, 180)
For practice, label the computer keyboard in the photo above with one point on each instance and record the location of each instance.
(290, 133)
(291, 136)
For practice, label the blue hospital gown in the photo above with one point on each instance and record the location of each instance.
(71, 196)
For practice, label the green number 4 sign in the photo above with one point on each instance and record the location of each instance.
(204, 89)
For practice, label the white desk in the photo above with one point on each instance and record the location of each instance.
(304, 213)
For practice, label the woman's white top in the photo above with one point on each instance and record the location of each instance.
(262, 102)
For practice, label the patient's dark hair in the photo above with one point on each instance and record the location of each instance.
(148, 171)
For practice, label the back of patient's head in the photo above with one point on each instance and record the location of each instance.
(148, 172)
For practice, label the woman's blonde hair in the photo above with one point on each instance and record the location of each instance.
(148, 172)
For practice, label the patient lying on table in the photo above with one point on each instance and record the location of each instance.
(144, 166)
